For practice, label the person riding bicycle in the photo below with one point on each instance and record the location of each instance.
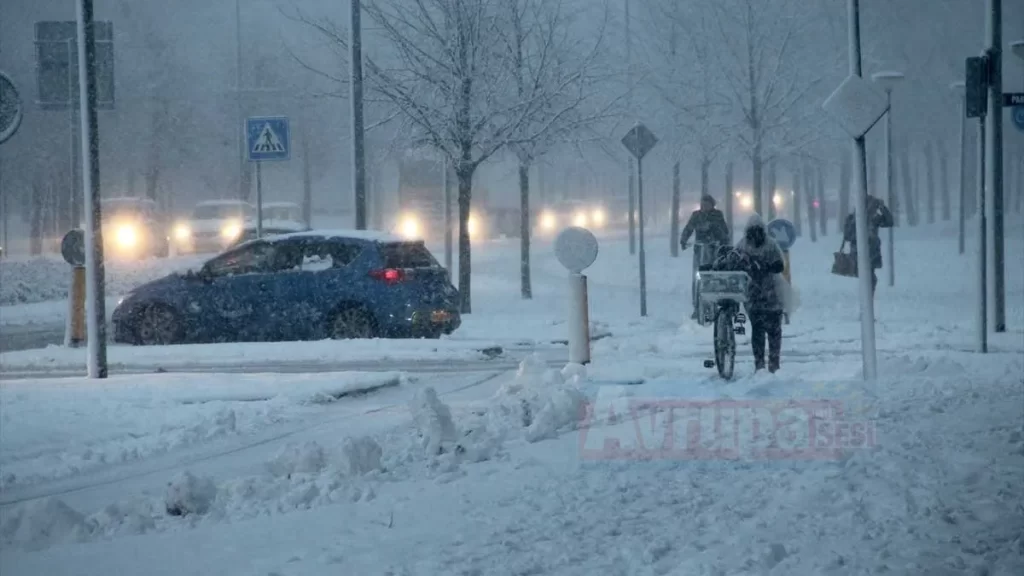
(763, 260)
(711, 229)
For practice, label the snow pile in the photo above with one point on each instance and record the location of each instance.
(536, 405)
(43, 523)
(187, 494)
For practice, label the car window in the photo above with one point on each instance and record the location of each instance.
(287, 257)
(320, 256)
(407, 255)
(252, 259)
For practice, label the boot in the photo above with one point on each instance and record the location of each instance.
(758, 364)
(773, 366)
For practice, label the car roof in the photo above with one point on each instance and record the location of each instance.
(364, 235)
(127, 200)
(224, 203)
(280, 205)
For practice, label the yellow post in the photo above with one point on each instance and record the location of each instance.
(76, 335)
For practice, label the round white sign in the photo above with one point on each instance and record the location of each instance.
(576, 248)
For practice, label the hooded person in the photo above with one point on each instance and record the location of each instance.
(766, 300)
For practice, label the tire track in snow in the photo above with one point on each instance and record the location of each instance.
(125, 472)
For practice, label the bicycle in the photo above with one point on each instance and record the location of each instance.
(723, 291)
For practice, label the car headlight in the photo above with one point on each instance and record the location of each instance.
(598, 216)
(410, 227)
(548, 221)
(777, 200)
(182, 233)
(473, 225)
(231, 231)
(580, 219)
(126, 236)
(746, 202)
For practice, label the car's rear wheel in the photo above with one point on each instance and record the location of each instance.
(350, 323)
(157, 325)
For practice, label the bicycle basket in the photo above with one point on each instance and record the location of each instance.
(715, 286)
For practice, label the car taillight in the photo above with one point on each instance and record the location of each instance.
(388, 275)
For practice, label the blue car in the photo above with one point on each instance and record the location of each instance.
(301, 286)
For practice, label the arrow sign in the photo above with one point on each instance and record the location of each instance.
(639, 141)
(1018, 117)
(1013, 99)
(784, 233)
(10, 108)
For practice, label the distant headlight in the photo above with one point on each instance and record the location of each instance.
(231, 231)
(410, 227)
(473, 225)
(127, 236)
(580, 219)
(598, 216)
(746, 202)
(548, 221)
(182, 233)
(777, 200)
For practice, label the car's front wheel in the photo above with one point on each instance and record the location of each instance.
(352, 323)
(158, 326)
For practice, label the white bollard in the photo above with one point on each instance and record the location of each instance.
(576, 249)
(579, 320)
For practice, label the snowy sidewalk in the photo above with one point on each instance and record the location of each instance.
(936, 494)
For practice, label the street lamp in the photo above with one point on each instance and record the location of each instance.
(888, 80)
(959, 88)
(1018, 48)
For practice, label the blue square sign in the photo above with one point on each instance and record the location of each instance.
(267, 138)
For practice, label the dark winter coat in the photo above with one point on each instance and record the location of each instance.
(765, 262)
(710, 227)
(879, 217)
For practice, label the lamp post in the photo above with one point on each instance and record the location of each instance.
(888, 80)
(958, 87)
(1018, 48)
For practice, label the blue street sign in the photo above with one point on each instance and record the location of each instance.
(1018, 117)
(784, 232)
(267, 138)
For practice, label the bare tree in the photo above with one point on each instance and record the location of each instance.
(687, 82)
(548, 68)
(762, 47)
(456, 91)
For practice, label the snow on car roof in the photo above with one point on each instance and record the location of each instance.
(223, 203)
(370, 235)
(280, 205)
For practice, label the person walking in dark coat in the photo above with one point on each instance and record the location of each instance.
(710, 227)
(764, 304)
(708, 223)
(879, 216)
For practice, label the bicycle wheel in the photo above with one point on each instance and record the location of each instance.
(725, 344)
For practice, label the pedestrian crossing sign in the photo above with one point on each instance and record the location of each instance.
(267, 138)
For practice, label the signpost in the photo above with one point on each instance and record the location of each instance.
(639, 141)
(576, 249)
(857, 105)
(267, 138)
(976, 106)
(58, 82)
